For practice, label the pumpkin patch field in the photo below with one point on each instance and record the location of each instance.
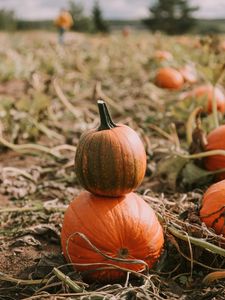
(112, 163)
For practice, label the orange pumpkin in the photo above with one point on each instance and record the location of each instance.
(212, 212)
(126, 31)
(188, 74)
(222, 45)
(169, 78)
(163, 55)
(206, 94)
(110, 160)
(124, 228)
(216, 141)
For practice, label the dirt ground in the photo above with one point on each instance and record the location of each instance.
(48, 99)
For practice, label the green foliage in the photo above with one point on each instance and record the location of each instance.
(192, 175)
(171, 16)
(7, 20)
(31, 25)
(82, 23)
(210, 26)
(169, 170)
(99, 24)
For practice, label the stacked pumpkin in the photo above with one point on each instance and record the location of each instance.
(108, 227)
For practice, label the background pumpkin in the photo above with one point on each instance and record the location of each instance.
(110, 160)
(213, 207)
(169, 78)
(216, 140)
(206, 93)
(189, 74)
(126, 31)
(124, 227)
(163, 55)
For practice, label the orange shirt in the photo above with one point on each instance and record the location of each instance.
(64, 20)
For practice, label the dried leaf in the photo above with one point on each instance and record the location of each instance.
(192, 174)
(169, 169)
(27, 240)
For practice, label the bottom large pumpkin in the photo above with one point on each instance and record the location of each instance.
(124, 228)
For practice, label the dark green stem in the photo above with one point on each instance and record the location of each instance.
(105, 118)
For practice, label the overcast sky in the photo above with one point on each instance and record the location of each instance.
(112, 9)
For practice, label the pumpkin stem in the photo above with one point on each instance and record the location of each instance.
(109, 116)
(105, 118)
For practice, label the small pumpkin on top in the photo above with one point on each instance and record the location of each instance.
(110, 160)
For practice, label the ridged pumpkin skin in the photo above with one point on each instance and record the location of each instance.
(206, 93)
(169, 78)
(216, 140)
(213, 207)
(124, 227)
(110, 162)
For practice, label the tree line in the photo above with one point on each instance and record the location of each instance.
(82, 23)
(169, 16)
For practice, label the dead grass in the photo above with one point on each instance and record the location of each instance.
(35, 193)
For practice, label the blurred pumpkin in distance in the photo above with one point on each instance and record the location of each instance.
(163, 55)
(122, 228)
(126, 31)
(189, 74)
(222, 45)
(212, 211)
(216, 141)
(184, 40)
(169, 78)
(205, 94)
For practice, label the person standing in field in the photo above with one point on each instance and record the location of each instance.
(64, 22)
